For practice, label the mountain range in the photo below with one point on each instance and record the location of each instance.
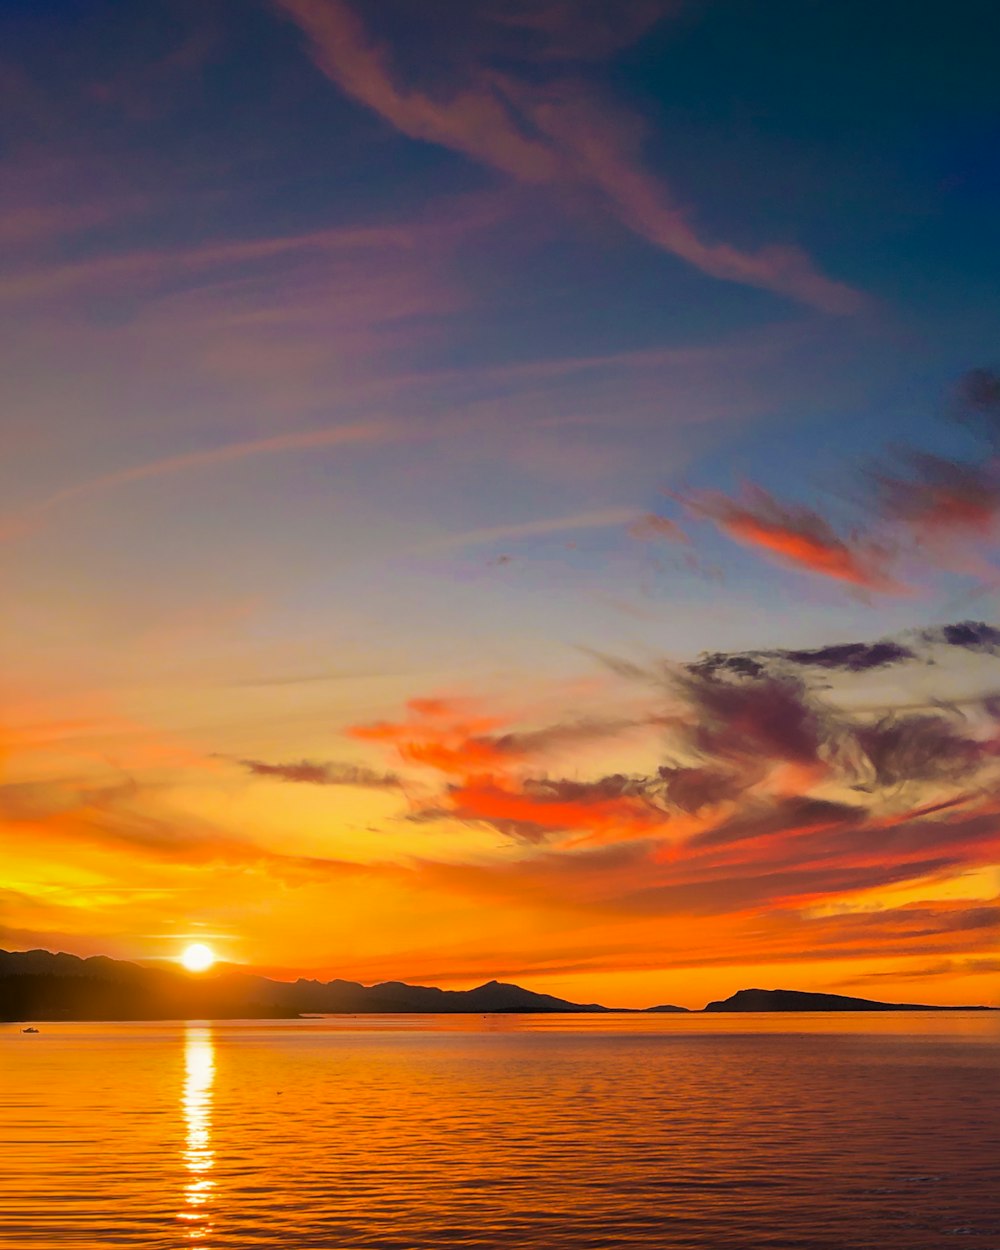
(41, 985)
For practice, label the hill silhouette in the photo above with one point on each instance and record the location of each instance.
(802, 1000)
(41, 985)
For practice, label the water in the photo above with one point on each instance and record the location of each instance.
(418, 1132)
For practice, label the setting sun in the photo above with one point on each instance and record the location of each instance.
(198, 957)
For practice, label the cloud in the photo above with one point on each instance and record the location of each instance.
(573, 30)
(914, 646)
(757, 716)
(914, 507)
(976, 402)
(601, 518)
(441, 734)
(939, 501)
(925, 972)
(751, 754)
(897, 749)
(302, 440)
(611, 808)
(649, 527)
(565, 735)
(127, 816)
(691, 788)
(492, 778)
(969, 635)
(327, 773)
(851, 657)
(798, 537)
(552, 131)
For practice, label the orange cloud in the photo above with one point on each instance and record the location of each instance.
(800, 538)
(442, 735)
(488, 783)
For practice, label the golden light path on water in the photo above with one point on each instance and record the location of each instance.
(198, 1154)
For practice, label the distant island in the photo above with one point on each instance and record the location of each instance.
(800, 1000)
(41, 985)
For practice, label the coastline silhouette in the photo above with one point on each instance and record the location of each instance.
(41, 985)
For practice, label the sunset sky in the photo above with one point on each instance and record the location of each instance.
(505, 489)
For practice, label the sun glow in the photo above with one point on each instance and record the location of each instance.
(198, 957)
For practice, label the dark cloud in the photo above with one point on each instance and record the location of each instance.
(898, 749)
(561, 790)
(795, 814)
(854, 657)
(742, 665)
(848, 657)
(689, 789)
(970, 635)
(936, 498)
(977, 402)
(329, 773)
(559, 736)
(527, 831)
(979, 390)
(769, 716)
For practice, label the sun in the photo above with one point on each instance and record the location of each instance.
(198, 957)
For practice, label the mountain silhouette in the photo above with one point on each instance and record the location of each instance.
(41, 985)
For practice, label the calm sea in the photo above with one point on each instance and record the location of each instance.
(410, 1132)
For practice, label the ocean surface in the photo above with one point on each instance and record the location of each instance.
(407, 1132)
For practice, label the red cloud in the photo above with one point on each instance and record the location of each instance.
(799, 537)
(942, 499)
(442, 735)
(486, 784)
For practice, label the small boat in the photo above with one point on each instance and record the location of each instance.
(29, 1029)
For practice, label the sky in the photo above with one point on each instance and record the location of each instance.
(504, 490)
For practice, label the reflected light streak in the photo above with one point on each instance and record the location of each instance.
(197, 1154)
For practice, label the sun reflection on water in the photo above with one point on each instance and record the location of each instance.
(197, 1154)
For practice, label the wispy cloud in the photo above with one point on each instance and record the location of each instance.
(798, 537)
(858, 657)
(302, 440)
(601, 518)
(555, 132)
(322, 773)
(650, 527)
